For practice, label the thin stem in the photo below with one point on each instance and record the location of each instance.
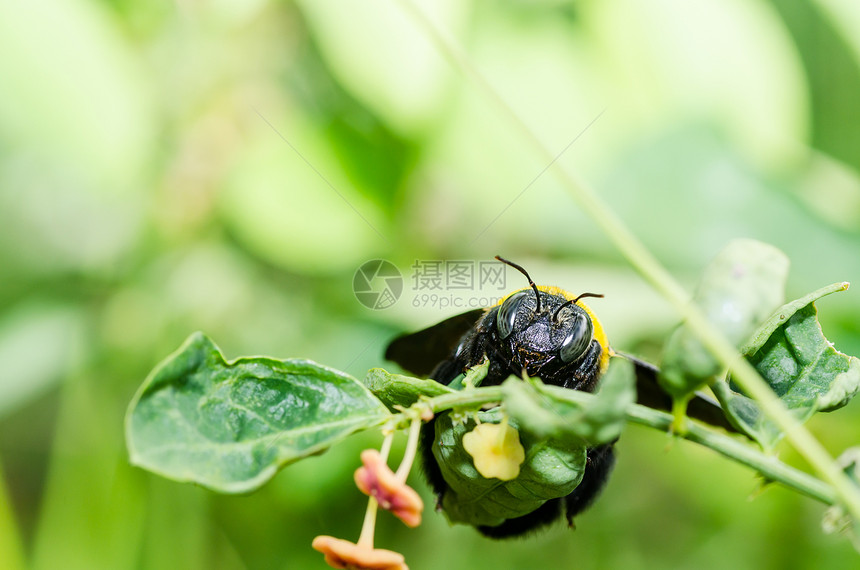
(768, 465)
(659, 278)
(679, 416)
(367, 529)
(471, 398)
(411, 448)
(386, 446)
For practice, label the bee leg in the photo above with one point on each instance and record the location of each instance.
(598, 466)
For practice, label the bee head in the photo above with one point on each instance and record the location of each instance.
(540, 327)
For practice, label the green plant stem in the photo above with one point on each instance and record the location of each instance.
(365, 539)
(469, 398)
(647, 265)
(411, 449)
(746, 454)
(768, 465)
(679, 415)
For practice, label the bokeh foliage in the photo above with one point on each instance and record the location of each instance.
(225, 166)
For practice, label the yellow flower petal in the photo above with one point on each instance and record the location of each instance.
(496, 450)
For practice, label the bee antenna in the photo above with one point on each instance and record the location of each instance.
(572, 302)
(523, 271)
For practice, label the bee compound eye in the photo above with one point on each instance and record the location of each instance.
(507, 315)
(578, 339)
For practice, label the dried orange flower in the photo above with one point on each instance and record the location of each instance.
(375, 478)
(341, 553)
(496, 450)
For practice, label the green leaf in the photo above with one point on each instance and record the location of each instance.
(399, 390)
(231, 426)
(547, 411)
(793, 356)
(551, 469)
(739, 289)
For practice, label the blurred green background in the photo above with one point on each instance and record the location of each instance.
(226, 165)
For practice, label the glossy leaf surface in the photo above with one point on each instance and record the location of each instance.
(794, 357)
(231, 426)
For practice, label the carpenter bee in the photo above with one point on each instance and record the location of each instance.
(542, 332)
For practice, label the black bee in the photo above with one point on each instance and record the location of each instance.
(545, 332)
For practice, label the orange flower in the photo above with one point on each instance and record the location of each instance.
(345, 554)
(377, 480)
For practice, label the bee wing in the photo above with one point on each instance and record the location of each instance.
(649, 393)
(421, 351)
